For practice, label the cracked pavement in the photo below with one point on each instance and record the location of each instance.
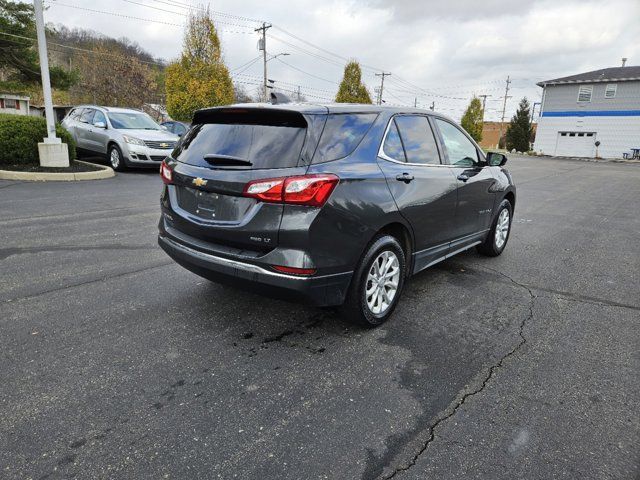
(117, 363)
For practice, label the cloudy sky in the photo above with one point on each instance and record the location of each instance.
(437, 51)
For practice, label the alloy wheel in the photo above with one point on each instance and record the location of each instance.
(502, 228)
(382, 282)
(114, 157)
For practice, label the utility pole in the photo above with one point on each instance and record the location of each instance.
(415, 103)
(533, 113)
(382, 75)
(484, 104)
(264, 28)
(52, 152)
(298, 93)
(504, 108)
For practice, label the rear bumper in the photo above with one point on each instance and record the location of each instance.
(324, 290)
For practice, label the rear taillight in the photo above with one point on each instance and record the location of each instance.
(166, 173)
(311, 190)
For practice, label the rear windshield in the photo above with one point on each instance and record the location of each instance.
(265, 146)
(341, 135)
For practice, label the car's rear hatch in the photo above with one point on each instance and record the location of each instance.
(227, 148)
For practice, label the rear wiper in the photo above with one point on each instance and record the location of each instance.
(227, 160)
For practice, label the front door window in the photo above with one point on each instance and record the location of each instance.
(460, 150)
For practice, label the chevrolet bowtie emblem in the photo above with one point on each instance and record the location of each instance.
(199, 182)
(164, 145)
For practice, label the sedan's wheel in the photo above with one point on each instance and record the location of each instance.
(499, 234)
(115, 158)
(377, 283)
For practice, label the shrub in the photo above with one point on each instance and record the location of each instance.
(19, 137)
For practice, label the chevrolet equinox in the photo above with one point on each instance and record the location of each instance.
(334, 204)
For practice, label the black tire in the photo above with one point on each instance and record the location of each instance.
(355, 307)
(119, 166)
(491, 247)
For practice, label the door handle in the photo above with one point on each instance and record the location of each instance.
(404, 177)
(463, 177)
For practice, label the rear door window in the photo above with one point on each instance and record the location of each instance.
(75, 114)
(265, 146)
(418, 140)
(393, 144)
(342, 134)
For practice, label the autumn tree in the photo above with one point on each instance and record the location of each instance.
(472, 119)
(518, 135)
(113, 77)
(352, 90)
(200, 78)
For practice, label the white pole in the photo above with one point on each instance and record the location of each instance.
(44, 70)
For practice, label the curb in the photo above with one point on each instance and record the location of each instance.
(104, 172)
(629, 161)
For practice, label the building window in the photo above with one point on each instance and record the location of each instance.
(584, 93)
(10, 103)
(610, 91)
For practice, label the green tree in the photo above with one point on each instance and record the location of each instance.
(519, 130)
(19, 64)
(352, 90)
(472, 119)
(200, 78)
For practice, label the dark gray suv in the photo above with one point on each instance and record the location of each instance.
(334, 204)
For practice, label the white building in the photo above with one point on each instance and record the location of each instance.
(580, 110)
(16, 104)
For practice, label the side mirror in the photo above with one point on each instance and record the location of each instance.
(495, 159)
(100, 125)
(163, 127)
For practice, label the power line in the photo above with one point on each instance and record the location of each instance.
(175, 3)
(131, 17)
(186, 14)
(295, 84)
(246, 63)
(155, 8)
(81, 49)
(307, 73)
(315, 55)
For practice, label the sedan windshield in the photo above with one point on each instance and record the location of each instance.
(129, 121)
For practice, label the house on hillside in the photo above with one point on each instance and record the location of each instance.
(580, 110)
(15, 104)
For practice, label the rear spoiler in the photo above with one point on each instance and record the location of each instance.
(251, 116)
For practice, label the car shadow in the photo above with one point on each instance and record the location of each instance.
(100, 160)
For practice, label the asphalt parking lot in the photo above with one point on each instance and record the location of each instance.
(117, 363)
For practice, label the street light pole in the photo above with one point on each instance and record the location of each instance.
(44, 71)
(53, 153)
